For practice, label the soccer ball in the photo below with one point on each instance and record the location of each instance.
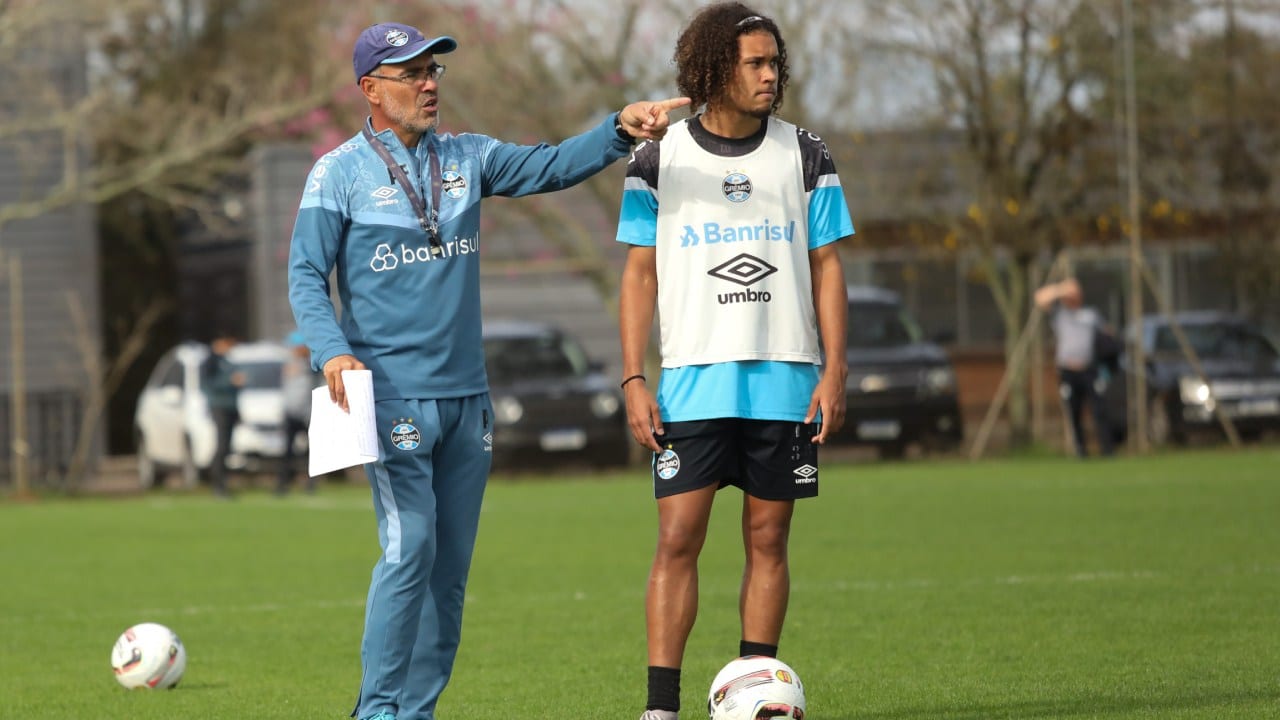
(148, 655)
(754, 688)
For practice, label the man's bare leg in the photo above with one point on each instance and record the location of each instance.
(766, 578)
(671, 603)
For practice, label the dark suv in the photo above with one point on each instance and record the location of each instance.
(901, 388)
(1241, 365)
(552, 404)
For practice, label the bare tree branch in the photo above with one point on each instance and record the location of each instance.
(105, 375)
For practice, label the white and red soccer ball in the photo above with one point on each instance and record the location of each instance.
(148, 655)
(756, 687)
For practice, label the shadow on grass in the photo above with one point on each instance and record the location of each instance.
(186, 687)
(1086, 707)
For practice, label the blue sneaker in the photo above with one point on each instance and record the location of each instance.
(384, 715)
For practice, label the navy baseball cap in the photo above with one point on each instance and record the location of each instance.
(394, 43)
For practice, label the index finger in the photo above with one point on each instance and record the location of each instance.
(672, 103)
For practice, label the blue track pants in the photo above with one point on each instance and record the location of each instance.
(427, 492)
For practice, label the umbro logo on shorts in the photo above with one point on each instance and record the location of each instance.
(806, 474)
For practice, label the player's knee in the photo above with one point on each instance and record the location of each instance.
(676, 544)
(768, 541)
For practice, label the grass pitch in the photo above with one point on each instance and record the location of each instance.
(1047, 588)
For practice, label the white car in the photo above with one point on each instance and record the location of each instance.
(174, 429)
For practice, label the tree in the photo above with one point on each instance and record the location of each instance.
(175, 90)
(1207, 134)
(1233, 91)
(1010, 77)
(229, 74)
(174, 94)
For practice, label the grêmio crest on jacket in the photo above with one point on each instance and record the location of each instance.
(381, 192)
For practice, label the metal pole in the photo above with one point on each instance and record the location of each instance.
(18, 400)
(1037, 370)
(1229, 160)
(1137, 354)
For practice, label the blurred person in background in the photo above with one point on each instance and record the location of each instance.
(733, 221)
(1081, 359)
(297, 382)
(396, 210)
(222, 383)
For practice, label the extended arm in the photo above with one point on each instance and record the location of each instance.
(513, 170)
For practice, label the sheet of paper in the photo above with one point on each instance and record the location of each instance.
(338, 439)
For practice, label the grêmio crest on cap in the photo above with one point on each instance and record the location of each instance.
(396, 38)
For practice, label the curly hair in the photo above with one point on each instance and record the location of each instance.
(706, 54)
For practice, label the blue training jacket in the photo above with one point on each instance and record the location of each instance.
(411, 318)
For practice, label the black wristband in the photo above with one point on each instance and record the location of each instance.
(621, 131)
(633, 377)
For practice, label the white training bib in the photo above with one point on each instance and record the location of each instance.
(733, 252)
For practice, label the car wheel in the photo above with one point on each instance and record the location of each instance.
(1161, 430)
(149, 473)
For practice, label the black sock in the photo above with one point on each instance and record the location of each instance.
(746, 647)
(664, 689)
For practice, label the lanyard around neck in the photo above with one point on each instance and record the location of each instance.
(429, 222)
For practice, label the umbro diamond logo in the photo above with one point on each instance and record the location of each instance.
(744, 269)
(806, 474)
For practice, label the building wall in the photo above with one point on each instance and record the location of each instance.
(57, 253)
(278, 173)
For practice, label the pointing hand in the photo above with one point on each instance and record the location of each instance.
(648, 120)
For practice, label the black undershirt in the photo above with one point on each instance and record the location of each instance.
(727, 147)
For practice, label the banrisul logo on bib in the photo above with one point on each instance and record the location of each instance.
(405, 435)
(667, 464)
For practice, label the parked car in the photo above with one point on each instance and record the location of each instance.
(174, 430)
(901, 388)
(1241, 365)
(552, 404)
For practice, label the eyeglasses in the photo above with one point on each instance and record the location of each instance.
(415, 77)
(750, 19)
